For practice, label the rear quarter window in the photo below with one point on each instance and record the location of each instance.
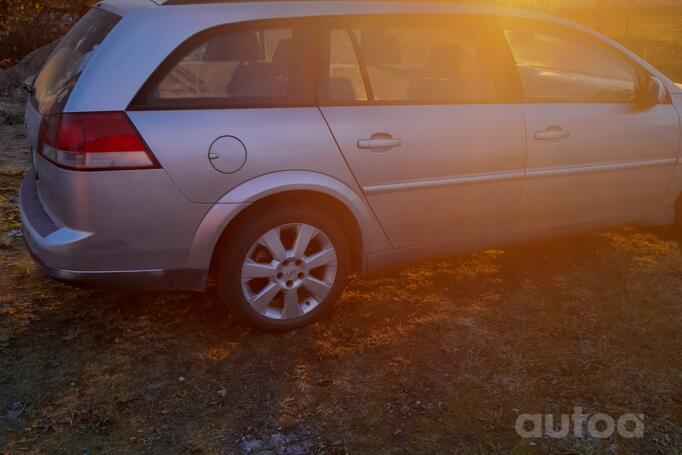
(238, 66)
(61, 71)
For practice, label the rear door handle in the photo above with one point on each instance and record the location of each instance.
(552, 134)
(379, 142)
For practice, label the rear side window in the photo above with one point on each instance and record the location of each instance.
(244, 66)
(415, 61)
(424, 63)
(61, 71)
(559, 65)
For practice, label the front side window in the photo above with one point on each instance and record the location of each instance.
(557, 65)
(243, 66)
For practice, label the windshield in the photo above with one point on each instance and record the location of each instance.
(61, 71)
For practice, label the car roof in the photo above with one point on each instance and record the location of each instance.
(333, 7)
(385, 6)
(350, 2)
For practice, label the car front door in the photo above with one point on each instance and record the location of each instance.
(415, 109)
(596, 154)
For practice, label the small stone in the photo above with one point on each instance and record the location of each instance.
(296, 449)
(16, 410)
(251, 445)
(182, 379)
(11, 235)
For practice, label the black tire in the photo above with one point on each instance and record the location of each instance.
(248, 229)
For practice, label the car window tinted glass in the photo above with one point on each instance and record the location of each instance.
(254, 65)
(62, 69)
(430, 63)
(556, 65)
(345, 81)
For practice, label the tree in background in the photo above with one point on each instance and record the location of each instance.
(26, 25)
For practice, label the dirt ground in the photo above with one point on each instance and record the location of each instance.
(437, 358)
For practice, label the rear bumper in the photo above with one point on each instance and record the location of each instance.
(48, 244)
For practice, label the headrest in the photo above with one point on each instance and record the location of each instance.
(341, 89)
(379, 49)
(236, 46)
(284, 53)
(444, 59)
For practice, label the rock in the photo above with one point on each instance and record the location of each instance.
(278, 440)
(251, 445)
(297, 449)
(276, 443)
(16, 410)
(12, 78)
(9, 108)
(11, 235)
(15, 155)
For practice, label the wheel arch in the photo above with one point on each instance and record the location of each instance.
(365, 233)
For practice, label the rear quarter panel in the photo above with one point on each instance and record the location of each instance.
(139, 219)
(277, 139)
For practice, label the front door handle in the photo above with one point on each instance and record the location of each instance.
(379, 142)
(552, 134)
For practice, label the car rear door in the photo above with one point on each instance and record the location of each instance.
(596, 156)
(415, 108)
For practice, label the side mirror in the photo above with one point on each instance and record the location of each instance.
(651, 92)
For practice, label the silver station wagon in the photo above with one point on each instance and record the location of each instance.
(278, 146)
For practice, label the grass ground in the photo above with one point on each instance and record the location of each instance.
(441, 357)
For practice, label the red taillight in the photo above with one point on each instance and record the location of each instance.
(94, 141)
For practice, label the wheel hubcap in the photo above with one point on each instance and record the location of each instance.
(288, 271)
(291, 273)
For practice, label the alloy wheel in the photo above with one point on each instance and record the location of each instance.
(289, 271)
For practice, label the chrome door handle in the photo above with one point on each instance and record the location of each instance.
(552, 135)
(379, 143)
